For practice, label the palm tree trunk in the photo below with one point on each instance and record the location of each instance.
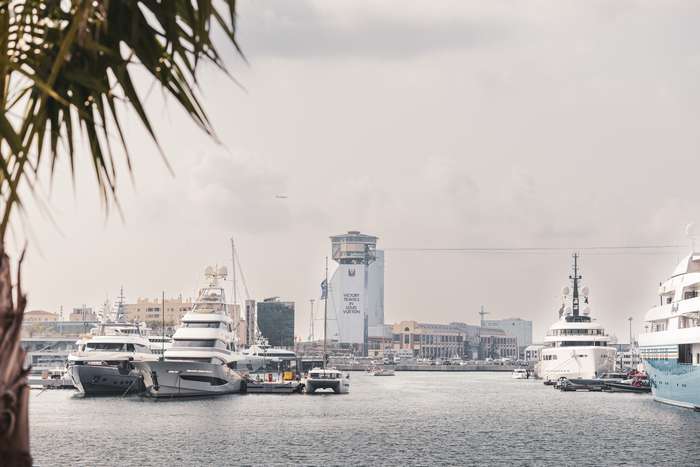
(14, 392)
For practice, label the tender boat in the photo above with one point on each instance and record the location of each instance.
(520, 373)
(104, 363)
(670, 345)
(385, 370)
(202, 358)
(576, 345)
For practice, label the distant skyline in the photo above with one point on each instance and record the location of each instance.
(468, 124)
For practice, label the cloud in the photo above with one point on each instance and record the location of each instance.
(365, 29)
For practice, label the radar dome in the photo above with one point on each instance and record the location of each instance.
(209, 271)
(587, 311)
(222, 271)
(565, 291)
(585, 291)
(567, 310)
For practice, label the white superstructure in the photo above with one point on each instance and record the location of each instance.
(670, 345)
(576, 346)
(206, 333)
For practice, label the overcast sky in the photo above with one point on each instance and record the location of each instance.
(441, 124)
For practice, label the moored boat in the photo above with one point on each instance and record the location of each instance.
(670, 345)
(576, 345)
(201, 360)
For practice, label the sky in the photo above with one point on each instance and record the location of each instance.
(452, 124)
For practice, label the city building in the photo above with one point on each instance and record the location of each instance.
(356, 290)
(428, 340)
(39, 315)
(250, 321)
(275, 321)
(519, 328)
(470, 339)
(149, 310)
(83, 313)
(495, 343)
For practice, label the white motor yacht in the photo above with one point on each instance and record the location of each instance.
(520, 373)
(202, 358)
(670, 345)
(576, 346)
(105, 359)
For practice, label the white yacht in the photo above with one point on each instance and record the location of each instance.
(104, 361)
(520, 373)
(670, 345)
(576, 346)
(159, 343)
(202, 358)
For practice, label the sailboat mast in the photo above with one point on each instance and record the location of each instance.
(233, 263)
(325, 317)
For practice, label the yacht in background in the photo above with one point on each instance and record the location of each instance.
(575, 346)
(202, 358)
(670, 345)
(104, 361)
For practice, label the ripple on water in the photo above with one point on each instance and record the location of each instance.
(409, 419)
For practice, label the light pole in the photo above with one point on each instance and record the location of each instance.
(630, 320)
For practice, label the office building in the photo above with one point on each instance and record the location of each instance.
(149, 310)
(519, 328)
(275, 321)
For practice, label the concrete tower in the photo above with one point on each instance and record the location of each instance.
(356, 290)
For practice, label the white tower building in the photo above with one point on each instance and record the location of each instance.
(356, 290)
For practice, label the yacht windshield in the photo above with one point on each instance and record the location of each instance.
(206, 324)
(109, 346)
(199, 343)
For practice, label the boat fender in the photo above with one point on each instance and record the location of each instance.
(244, 386)
(154, 377)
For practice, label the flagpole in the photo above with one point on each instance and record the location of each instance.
(325, 317)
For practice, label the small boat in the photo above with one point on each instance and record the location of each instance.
(520, 373)
(326, 378)
(385, 370)
(56, 378)
(639, 383)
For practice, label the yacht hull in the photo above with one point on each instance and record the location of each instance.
(338, 386)
(171, 379)
(575, 362)
(674, 383)
(109, 380)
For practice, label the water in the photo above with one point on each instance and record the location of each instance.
(408, 419)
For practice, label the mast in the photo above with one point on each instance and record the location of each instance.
(576, 277)
(325, 317)
(233, 263)
(162, 330)
(311, 324)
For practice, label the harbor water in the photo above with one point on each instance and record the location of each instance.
(407, 419)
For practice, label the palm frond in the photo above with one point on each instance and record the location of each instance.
(70, 65)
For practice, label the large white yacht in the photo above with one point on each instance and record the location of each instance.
(576, 346)
(670, 345)
(104, 361)
(202, 358)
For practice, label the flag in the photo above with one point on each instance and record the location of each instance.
(324, 289)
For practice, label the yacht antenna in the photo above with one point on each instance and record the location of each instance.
(325, 315)
(576, 277)
(162, 330)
